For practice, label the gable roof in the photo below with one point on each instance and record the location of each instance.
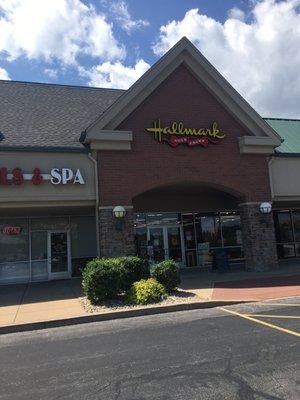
(47, 116)
(289, 131)
(185, 52)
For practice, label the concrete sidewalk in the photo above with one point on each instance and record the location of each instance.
(36, 302)
(59, 300)
(241, 285)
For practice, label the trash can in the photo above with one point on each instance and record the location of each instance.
(220, 260)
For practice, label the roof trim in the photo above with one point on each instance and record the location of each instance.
(185, 52)
(281, 119)
(256, 145)
(108, 140)
(5, 81)
(279, 154)
(34, 149)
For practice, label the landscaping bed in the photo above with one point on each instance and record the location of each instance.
(177, 297)
(130, 283)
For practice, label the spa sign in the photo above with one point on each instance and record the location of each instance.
(176, 133)
(56, 176)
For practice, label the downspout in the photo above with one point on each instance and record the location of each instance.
(94, 161)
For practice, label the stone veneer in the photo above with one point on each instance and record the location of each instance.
(259, 241)
(114, 243)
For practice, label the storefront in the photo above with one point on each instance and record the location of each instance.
(43, 248)
(188, 162)
(188, 238)
(47, 216)
(188, 159)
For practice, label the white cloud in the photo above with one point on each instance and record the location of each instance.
(52, 73)
(4, 74)
(56, 29)
(260, 58)
(123, 17)
(114, 75)
(236, 13)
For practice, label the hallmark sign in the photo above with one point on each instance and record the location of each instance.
(176, 134)
(57, 176)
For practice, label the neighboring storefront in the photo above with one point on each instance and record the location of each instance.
(47, 215)
(185, 157)
(284, 169)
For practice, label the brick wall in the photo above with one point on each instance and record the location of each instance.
(113, 242)
(259, 241)
(150, 164)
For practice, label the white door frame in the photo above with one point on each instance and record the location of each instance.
(166, 241)
(63, 274)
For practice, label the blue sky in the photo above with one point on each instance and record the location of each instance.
(110, 43)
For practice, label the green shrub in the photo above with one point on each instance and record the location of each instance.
(135, 269)
(166, 273)
(102, 279)
(145, 291)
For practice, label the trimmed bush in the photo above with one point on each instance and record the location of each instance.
(135, 269)
(102, 279)
(166, 273)
(145, 291)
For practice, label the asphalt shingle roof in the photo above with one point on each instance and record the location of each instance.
(289, 131)
(49, 116)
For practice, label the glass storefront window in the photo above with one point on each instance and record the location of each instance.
(20, 262)
(174, 243)
(234, 253)
(197, 235)
(287, 230)
(140, 220)
(14, 247)
(83, 237)
(14, 251)
(296, 222)
(156, 241)
(163, 218)
(141, 241)
(39, 271)
(188, 231)
(286, 250)
(51, 223)
(39, 245)
(189, 239)
(208, 230)
(283, 225)
(231, 230)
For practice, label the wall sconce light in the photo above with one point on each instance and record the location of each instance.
(119, 213)
(265, 208)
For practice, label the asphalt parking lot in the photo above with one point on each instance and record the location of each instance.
(282, 316)
(242, 352)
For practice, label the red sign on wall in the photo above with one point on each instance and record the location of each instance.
(11, 230)
(16, 177)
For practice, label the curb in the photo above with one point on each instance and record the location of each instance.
(114, 315)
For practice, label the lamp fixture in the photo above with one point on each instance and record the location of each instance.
(119, 212)
(265, 207)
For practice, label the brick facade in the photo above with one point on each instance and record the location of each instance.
(113, 242)
(259, 241)
(151, 164)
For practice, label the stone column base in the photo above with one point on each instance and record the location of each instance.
(114, 242)
(259, 241)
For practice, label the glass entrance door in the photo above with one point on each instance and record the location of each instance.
(58, 255)
(166, 243)
(174, 243)
(157, 242)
